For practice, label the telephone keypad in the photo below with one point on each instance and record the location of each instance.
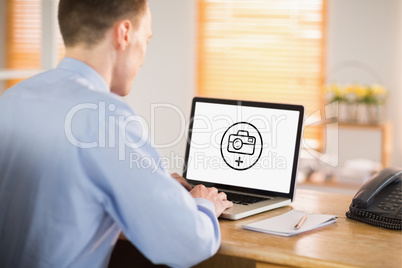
(392, 202)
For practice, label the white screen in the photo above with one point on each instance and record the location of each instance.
(243, 146)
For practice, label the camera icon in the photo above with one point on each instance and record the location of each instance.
(241, 143)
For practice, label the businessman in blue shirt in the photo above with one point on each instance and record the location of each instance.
(67, 188)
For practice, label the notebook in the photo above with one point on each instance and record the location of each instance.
(249, 150)
(285, 224)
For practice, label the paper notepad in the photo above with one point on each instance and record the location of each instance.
(285, 224)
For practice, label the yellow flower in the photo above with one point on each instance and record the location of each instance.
(360, 91)
(378, 90)
(349, 89)
(374, 94)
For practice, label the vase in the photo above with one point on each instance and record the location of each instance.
(375, 113)
(352, 112)
(362, 113)
(370, 113)
(342, 111)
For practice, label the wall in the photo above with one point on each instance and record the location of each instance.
(365, 37)
(367, 31)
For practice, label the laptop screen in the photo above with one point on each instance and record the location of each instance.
(246, 146)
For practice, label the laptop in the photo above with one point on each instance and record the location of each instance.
(249, 150)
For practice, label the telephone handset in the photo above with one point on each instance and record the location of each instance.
(379, 200)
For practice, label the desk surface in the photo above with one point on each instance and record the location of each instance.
(345, 243)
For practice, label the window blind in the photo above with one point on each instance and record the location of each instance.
(263, 50)
(24, 36)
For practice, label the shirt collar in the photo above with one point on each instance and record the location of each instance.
(81, 68)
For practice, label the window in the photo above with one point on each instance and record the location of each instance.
(263, 50)
(24, 39)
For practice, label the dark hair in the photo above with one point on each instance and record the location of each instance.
(86, 21)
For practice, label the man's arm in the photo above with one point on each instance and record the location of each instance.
(161, 218)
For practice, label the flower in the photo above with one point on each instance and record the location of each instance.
(379, 94)
(356, 93)
(335, 92)
(375, 94)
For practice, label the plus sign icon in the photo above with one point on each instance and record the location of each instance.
(241, 146)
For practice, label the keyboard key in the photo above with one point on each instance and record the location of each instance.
(244, 199)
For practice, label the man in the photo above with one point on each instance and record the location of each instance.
(67, 188)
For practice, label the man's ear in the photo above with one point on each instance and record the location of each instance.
(122, 31)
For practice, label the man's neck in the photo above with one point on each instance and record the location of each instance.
(98, 57)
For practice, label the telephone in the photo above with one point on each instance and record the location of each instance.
(379, 200)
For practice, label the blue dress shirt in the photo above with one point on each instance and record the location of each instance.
(76, 168)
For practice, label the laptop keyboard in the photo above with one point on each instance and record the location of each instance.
(244, 199)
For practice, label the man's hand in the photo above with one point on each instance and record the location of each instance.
(218, 199)
(183, 181)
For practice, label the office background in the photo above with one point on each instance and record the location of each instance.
(365, 31)
(368, 31)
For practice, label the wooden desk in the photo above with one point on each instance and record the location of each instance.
(346, 243)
